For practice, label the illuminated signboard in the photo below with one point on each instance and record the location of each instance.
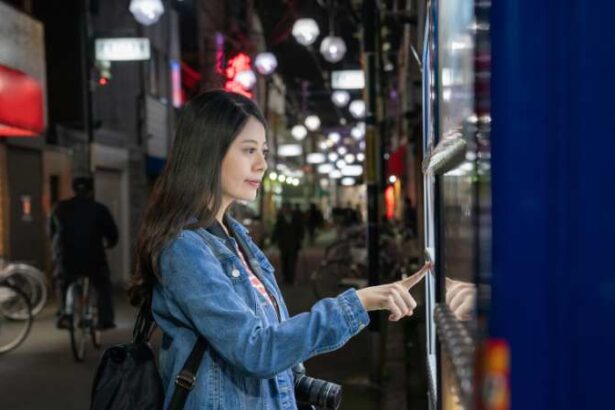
(347, 80)
(122, 49)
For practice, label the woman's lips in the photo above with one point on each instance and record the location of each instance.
(253, 183)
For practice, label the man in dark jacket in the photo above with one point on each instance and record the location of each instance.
(81, 229)
(288, 234)
(313, 220)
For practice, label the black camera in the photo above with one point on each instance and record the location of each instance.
(319, 393)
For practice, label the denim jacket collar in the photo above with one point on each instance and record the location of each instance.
(212, 234)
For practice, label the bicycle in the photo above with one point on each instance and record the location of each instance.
(82, 311)
(13, 303)
(335, 276)
(30, 281)
(345, 264)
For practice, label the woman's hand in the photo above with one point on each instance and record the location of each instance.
(394, 297)
(461, 298)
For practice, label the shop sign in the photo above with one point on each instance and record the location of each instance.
(122, 49)
(347, 80)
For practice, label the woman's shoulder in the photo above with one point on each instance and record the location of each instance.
(185, 243)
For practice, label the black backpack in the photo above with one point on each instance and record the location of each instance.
(127, 377)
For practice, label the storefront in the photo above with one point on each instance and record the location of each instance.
(22, 123)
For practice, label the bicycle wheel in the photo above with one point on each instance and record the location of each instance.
(94, 332)
(78, 328)
(13, 332)
(333, 277)
(31, 281)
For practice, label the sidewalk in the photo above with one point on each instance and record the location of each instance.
(45, 360)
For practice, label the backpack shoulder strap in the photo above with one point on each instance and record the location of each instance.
(186, 379)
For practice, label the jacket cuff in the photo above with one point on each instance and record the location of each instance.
(355, 314)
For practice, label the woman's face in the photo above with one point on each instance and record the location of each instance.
(244, 164)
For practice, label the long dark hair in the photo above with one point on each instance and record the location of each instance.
(190, 184)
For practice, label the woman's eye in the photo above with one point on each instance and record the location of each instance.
(266, 153)
(251, 150)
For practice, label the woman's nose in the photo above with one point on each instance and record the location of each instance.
(261, 163)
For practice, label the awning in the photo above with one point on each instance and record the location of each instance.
(21, 104)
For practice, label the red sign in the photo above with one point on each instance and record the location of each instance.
(241, 62)
(397, 162)
(21, 104)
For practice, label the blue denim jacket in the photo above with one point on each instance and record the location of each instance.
(248, 363)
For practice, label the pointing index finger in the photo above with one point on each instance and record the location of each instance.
(416, 277)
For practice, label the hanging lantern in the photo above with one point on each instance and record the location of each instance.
(146, 12)
(246, 79)
(358, 131)
(334, 137)
(312, 122)
(333, 49)
(305, 31)
(298, 132)
(340, 98)
(357, 108)
(265, 63)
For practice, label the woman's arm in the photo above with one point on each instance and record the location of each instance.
(193, 281)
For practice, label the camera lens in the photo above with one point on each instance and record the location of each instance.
(320, 393)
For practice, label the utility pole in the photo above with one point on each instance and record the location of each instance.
(86, 78)
(372, 172)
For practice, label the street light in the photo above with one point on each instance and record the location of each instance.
(146, 12)
(305, 31)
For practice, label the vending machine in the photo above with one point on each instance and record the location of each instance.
(456, 196)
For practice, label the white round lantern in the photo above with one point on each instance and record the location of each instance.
(299, 132)
(334, 137)
(265, 63)
(340, 98)
(357, 108)
(312, 122)
(333, 49)
(305, 31)
(246, 79)
(146, 12)
(358, 131)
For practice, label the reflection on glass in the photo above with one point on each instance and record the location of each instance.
(456, 62)
(458, 201)
(458, 239)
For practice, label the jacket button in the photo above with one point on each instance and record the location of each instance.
(235, 273)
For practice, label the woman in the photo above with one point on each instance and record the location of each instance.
(203, 284)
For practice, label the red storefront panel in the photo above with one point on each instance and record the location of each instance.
(21, 104)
